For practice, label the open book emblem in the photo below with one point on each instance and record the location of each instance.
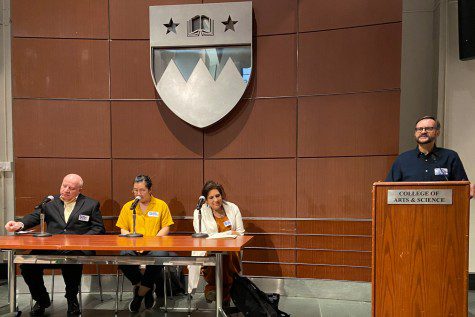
(200, 67)
(200, 25)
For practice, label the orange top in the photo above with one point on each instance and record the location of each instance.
(223, 223)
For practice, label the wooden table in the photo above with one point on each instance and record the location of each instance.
(214, 247)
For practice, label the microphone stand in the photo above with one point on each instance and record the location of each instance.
(134, 234)
(42, 234)
(199, 234)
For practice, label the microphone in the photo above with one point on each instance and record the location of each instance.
(45, 201)
(134, 234)
(201, 201)
(42, 218)
(136, 201)
(200, 234)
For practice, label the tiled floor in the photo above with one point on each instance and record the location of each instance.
(296, 306)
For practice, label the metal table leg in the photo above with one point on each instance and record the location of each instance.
(219, 285)
(12, 284)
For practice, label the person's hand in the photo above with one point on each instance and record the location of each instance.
(13, 226)
(472, 190)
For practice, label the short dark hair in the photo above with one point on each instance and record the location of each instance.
(209, 186)
(429, 117)
(144, 178)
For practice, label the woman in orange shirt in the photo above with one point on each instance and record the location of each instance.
(219, 215)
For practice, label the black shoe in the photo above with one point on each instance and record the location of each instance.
(40, 306)
(149, 301)
(136, 302)
(73, 307)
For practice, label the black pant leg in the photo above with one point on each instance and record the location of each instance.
(33, 276)
(72, 274)
(132, 273)
(152, 272)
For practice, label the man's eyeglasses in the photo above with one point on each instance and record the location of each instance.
(428, 129)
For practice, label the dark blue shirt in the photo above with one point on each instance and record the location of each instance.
(439, 165)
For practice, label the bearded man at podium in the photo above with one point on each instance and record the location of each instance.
(427, 162)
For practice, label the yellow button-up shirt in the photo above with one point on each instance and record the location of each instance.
(68, 208)
(148, 222)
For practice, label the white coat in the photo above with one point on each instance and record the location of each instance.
(209, 226)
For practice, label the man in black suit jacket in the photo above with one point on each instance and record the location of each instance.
(68, 213)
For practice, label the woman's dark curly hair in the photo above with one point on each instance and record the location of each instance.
(209, 186)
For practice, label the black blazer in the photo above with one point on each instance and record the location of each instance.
(84, 219)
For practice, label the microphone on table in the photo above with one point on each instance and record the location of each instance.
(201, 201)
(40, 206)
(135, 203)
(45, 201)
(200, 234)
(134, 215)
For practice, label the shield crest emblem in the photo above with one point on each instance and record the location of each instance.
(201, 58)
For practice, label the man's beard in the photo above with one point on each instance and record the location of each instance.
(428, 140)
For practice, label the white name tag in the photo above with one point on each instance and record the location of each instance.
(227, 223)
(83, 218)
(441, 171)
(153, 214)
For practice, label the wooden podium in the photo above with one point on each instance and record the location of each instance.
(420, 249)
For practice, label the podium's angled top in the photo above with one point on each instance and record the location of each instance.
(445, 183)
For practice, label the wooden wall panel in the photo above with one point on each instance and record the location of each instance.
(315, 15)
(350, 60)
(273, 241)
(351, 243)
(334, 257)
(37, 178)
(352, 121)
(280, 20)
(183, 226)
(304, 142)
(177, 182)
(274, 120)
(148, 129)
(265, 269)
(54, 128)
(265, 255)
(109, 224)
(130, 70)
(334, 272)
(335, 227)
(339, 187)
(253, 226)
(261, 188)
(276, 58)
(63, 68)
(60, 18)
(130, 20)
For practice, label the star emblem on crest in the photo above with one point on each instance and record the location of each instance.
(229, 24)
(171, 26)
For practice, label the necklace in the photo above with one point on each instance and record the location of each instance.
(219, 213)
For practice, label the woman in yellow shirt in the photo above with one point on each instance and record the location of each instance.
(153, 218)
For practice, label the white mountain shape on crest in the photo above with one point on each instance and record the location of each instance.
(201, 101)
(184, 66)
